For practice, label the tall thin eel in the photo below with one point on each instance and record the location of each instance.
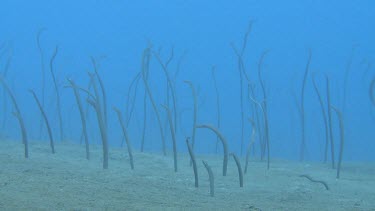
(192, 157)
(223, 141)
(45, 120)
(87, 91)
(262, 107)
(166, 64)
(210, 178)
(127, 140)
(262, 141)
(82, 115)
(144, 120)
(265, 107)
(41, 53)
(58, 100)
(368, 67)
(129, 110)
(4, 74)
(240, 53)
(218, 109)
(346, 78)
(18, 115)
(167, 100)
(330, 122)
(315, 181)
(102, 90)
(324, 117)
(95, 103)
(173, 136)
(241, 71)
(240, 173)
(178, 68)
(145, 56)
(146, 69)
(89, 87)
(371, 91)
(303, 140)
(251, 143)
(170, 84)
(341, 123)
(195, 101)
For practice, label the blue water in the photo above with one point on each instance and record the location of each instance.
(340, 34)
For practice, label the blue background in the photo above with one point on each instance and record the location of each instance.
(116, 32)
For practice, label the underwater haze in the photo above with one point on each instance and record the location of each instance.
(279, 81)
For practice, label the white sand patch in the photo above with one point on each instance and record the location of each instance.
(67, 181)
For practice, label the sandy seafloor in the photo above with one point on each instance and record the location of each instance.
(67, 181)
